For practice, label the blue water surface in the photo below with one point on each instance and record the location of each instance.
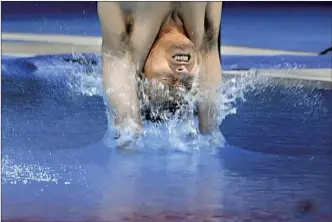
(274, 166)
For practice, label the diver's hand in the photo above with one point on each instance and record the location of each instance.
(123, 136)
(127, 136)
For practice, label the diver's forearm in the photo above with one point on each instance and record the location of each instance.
(209, 83)
(119, 82)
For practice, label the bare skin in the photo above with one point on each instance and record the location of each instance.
(125, 48)
(173, 60)
(129, 30)
(203, 27)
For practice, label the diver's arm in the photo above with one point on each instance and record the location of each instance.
(125, 46)
(202, 23)
(210, 77)
(118, 68)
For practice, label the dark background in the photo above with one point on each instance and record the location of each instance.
(35, 7)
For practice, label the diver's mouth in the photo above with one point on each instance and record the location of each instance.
(181, 57)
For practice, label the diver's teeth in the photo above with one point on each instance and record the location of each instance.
(182, 58)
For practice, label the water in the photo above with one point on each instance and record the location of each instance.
(274, 163)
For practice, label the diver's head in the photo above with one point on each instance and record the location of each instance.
(173, 60)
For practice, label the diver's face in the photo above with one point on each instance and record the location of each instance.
(172, 59)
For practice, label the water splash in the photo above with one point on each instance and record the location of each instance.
(174, 123)
(83, 78)
(86, 79)
(178, 133)
(26, 173)
(17, 171)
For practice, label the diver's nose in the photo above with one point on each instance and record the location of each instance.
(182, 72)
(181, 69)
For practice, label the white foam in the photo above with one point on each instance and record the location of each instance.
(174, 134)
(84, 81)
(177, 133)
(14, 173)
(171, 135)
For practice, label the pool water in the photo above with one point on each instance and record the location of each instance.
(273, 164)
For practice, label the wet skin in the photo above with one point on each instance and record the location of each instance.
(129, 30)
(173, 59)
